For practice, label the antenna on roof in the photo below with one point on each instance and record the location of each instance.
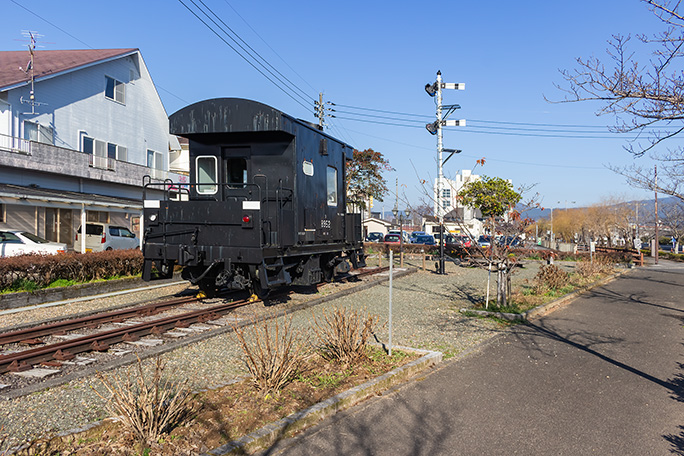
(33, 37)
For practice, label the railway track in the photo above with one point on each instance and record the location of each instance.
(54, 354)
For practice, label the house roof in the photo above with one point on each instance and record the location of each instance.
(49, 63)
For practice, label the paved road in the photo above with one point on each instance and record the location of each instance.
(602, 376)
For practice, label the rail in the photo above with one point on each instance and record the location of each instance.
(15, 145)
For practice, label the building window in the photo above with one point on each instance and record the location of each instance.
(34, 131)
(154, 159)
(332, 186)
(446, 193)
(3, 216)
(206, 172)
(97, 216)
(121, 153)
(116, 152)
(88, 145)
(115, 90)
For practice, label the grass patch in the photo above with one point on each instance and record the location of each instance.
(23, 285)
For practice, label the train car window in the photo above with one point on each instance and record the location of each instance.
(332, 186)
(308, 168)
(206, 169)
(236, 172)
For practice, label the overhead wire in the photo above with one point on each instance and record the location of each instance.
(269, 46)
(266, 64)
(289, 93)
(85, 44)
(516, 162)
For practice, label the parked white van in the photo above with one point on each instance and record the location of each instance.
(103, 236)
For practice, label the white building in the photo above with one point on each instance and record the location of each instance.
(78, 132)
(457, 217)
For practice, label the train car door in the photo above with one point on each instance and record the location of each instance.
(335, 225)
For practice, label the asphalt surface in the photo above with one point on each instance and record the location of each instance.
(603, 376)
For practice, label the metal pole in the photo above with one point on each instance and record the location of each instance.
(440, 174)
(656, 245)
(391, 263)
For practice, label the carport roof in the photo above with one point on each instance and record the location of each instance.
(44, 197)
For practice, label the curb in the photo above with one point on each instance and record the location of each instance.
(541, 310)
(271, 433)
(46, 295)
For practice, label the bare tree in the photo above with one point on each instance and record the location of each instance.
(671, 215)
(646, 98)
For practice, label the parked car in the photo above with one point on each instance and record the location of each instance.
(484, 241)
(103, 236)
(404, 234)
(463, 241)
(375, 237)
(510, 241)
(392, 238)
(425, 239)
(17, 242)
(415, 234)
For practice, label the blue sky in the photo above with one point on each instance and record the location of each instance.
(379, 55)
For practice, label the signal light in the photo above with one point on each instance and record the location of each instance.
(246, 219)
(431, 89)
(432, 127)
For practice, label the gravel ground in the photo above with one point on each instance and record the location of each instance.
(10, 319)
(425, 315)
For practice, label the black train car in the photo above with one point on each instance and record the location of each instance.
(265, 207)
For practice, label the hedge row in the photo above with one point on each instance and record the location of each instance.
(45, 269)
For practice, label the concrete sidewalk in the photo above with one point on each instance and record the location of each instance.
(604, 375)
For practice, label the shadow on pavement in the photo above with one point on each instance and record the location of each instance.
(418, 431)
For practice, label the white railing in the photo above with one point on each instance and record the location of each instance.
(16, 145)
(102, 162)
(158, 174)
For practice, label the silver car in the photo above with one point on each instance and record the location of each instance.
(103, 236)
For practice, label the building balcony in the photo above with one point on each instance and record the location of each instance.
(46, 158)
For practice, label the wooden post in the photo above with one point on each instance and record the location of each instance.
(380, 259)
(401, 259)
(422, 252)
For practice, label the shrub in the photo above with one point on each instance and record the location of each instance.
(600, 265)
(272, 352)
(550, 277)
(45, 269)
(147, 408)
(343, 336)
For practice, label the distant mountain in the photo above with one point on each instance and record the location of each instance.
(645, 207)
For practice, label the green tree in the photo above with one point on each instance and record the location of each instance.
(364, 177)
(495, 197)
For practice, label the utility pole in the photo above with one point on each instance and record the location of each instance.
(320, 111)
(435, 128)
(656, 244)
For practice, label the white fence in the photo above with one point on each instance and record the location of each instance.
(16, 145)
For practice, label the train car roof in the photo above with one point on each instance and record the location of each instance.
(233, 115)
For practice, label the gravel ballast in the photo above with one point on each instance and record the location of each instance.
(425, 316)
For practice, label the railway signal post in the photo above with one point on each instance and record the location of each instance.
(435, 128)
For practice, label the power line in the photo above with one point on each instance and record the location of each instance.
(506, 133)
(515, 162)
(86, 44)
(55, 26)
(423, 116)
(252, 64)
(292, 85)
(269, 46)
